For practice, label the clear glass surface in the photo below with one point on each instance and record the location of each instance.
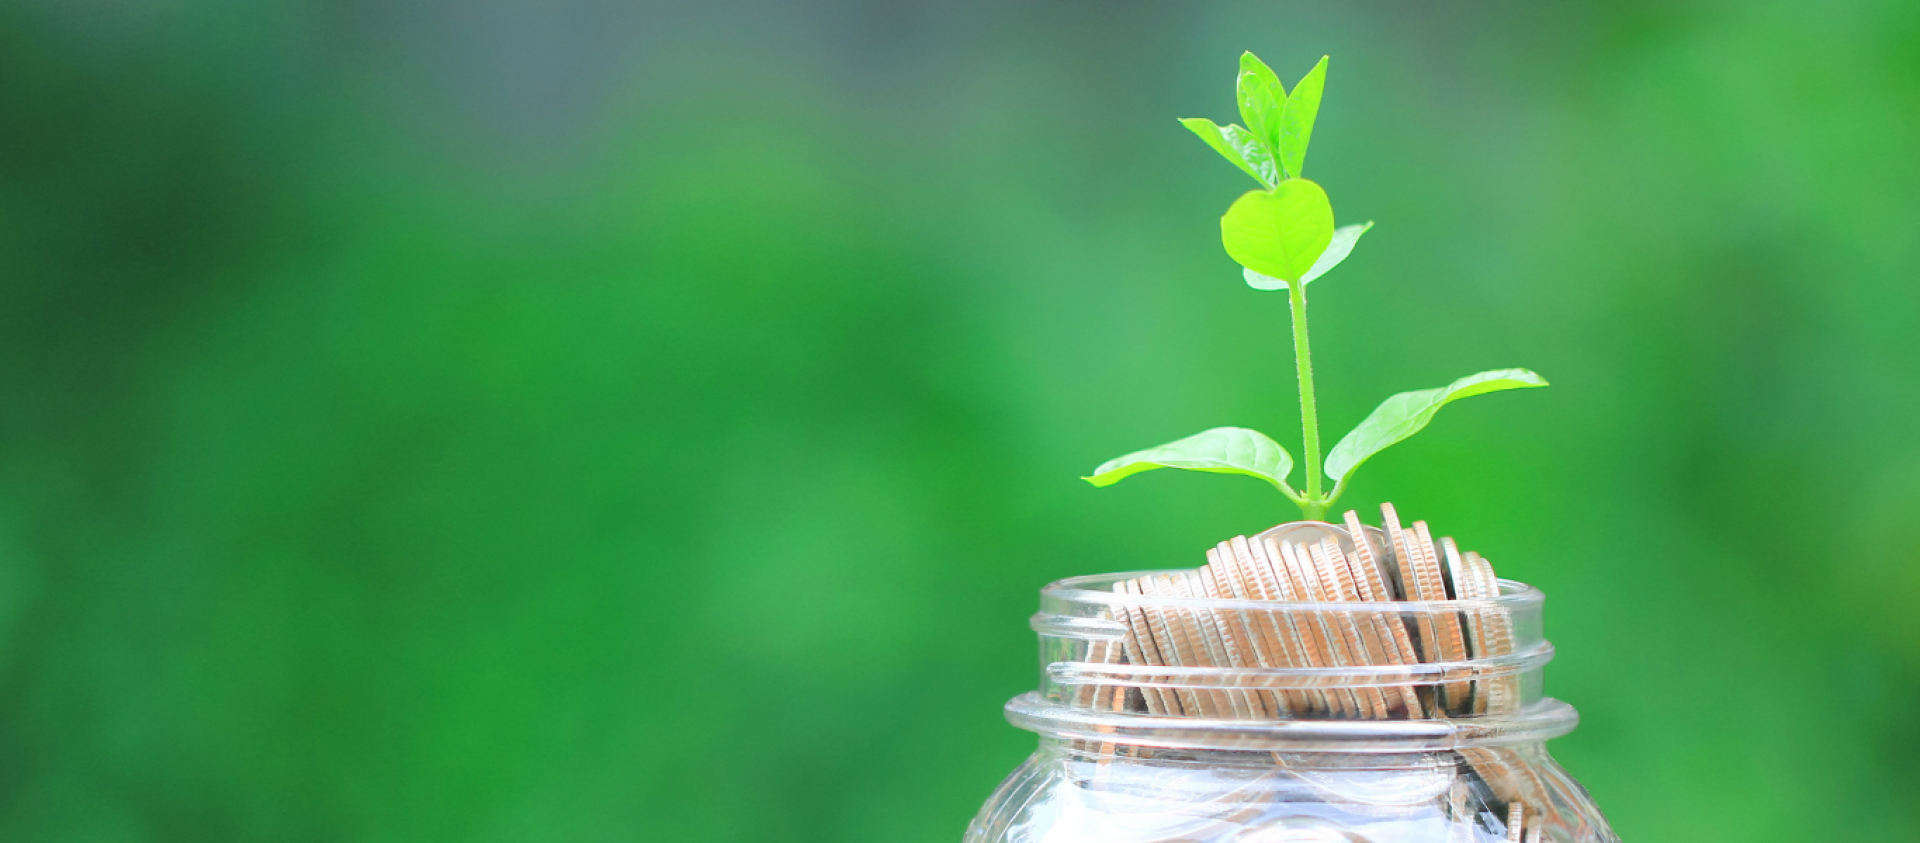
(1221, 749)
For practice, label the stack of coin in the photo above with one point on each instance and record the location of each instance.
(1319, 563)
(1310, 562)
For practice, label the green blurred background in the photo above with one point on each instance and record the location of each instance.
(609, 421)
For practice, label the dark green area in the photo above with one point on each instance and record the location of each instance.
(596, 421)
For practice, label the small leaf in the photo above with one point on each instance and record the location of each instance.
(1222, 450)
(1237, 145)
(1405, 414)
(1279, 233)
(1296, 119)
(1262, 100)
(1337, 250)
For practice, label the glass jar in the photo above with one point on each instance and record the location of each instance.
(1342, 753)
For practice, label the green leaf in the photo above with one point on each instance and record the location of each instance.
(1262, 100)
(1405, 414)
(1337, 250)
(1223, 450)
(1279, 233)
(1239, 146)
(1296, 119)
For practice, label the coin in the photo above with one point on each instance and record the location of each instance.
(1367, 555)
(1426, 629)
(1243, 646)
(1472, 700)
(1302, 533)
(1457, 798)
(1362, 645)
(1385, 634)
(1503, 693)
(1343, 567)
(1395, 555)
(1465, 587)
(1257, 627)
(1516, 820)
(1320, 640)
(1135, 647)
(1172, 637)
(1371, 581)
(1286, 643)
(1512, 778)
(1453, 647)
(1140, 637)
(1303, 631)
(1098, 652)
(1211, 643)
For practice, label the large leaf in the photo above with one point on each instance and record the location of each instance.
(1239, 146)
(1337, 250)
(1296, 119)
(1262, 100)
(1281, 232)
(1405, 414)
(1223, 450)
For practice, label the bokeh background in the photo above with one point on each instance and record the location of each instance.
(594, 420)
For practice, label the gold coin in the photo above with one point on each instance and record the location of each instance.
(1472, 699)
(1251, 630)
(1425, 626)
(1453, 646)
(1150, 627)
(1336, 585)
(1504, 692)
(1244, 649)
(1172, 640)
(1099, 652)
(1377, 631)
(1226, 651)
(1197, 647)
(1320, 634)
(1172, 637)
(1302, 633)
(1212, 640)
(1371, 581)
(1285, 643)
(1370, 563)
(1396, 554)
(1142, 650)
(1465, 587)
(1512, 778)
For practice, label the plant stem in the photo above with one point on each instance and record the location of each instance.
(1315, 506)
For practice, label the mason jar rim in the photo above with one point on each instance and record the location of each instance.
(1544, 720)
(1098, 589)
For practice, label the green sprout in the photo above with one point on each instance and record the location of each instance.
(1283, 236)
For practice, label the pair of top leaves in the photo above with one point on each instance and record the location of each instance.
(1282, 235)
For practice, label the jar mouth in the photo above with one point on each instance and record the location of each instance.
(1272, 678)
(1160, 666)
(1097, 589)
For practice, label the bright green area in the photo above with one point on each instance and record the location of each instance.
(600, 422)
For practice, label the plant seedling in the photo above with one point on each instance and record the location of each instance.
(1283, 236)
